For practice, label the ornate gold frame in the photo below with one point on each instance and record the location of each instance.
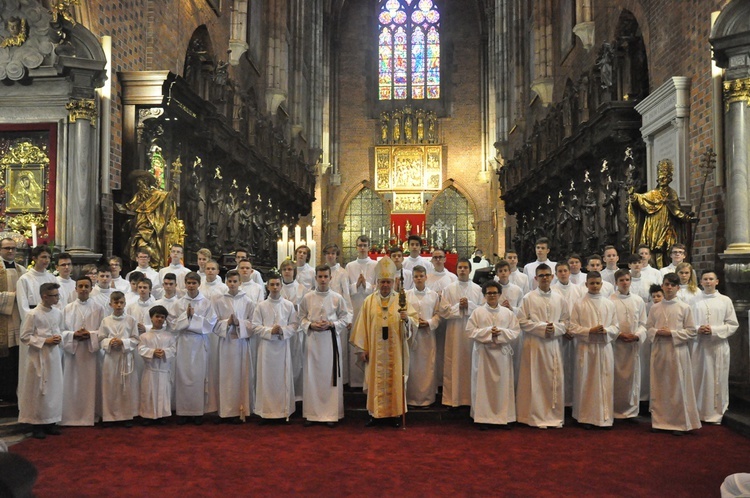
(25, 188)
(408, 168)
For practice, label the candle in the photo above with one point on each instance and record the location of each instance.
(454, 231)
(308, 233)
(297, 233)
(289, 249)
(399, 232)
(285, 234)
(33, 235)
(281, 253)
(313, 251)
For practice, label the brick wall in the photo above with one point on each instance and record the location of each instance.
(460, 133)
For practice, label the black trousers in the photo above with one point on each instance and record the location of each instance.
(9, 376)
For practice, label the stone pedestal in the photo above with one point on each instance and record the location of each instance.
(737, 287)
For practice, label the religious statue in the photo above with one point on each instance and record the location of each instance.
(384, 121)
(396, 127)
(155, 218)
(654, 216)
(408, 124)
(16, 28)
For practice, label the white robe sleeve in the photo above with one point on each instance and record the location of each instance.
(29, 336)
(688, 332)
(729, 324)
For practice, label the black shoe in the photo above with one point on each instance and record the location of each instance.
(678, 433)
(307, 423)
(52, 430)
(262, 421)
(182, 421)
(146, 422)
(588, 427)
(39, 433)
(198, 420)
(331, 424)
(162, 421)
(396, 422)
(483, 427)
(128, 424)
(371, 422)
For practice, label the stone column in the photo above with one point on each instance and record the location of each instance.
(737, 126)
(81, 191)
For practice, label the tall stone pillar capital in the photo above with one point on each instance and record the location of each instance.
(737, 90)
(82, 109)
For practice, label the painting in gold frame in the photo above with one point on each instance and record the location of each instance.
(25, 189)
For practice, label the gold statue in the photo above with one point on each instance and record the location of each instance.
(155, 226)
(653, 216)
(17, 28)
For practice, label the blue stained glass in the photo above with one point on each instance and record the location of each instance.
(425, 4)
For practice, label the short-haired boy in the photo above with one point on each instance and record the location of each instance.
(157, 347)
(421, 385)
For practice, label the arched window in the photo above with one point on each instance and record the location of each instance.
(451, 222)
(408, 50)
(366, 215)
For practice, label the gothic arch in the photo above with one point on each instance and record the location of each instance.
(199, 62)
(466, 193)
(360, 209)
(445, 208)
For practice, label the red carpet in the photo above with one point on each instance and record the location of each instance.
(428, 459)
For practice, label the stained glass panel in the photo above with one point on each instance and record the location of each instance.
(409, 60)
(453, 210)
(366, 213)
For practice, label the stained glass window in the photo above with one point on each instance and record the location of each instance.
(408, 50)
(366, 215)
(451, 222)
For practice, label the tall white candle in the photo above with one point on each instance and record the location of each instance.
(281, 253)
(33, 235)
(297, 233)
(313, 253)
(308, 234)
(289, 249)
(285, 234)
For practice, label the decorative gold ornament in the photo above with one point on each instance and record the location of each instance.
(82, 109)
(176, 167)
(17, 27)
(736, 91)
(22, 223)
(24, 153)
(60, 8)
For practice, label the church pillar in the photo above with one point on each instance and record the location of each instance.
(737, 126)
(81, 191)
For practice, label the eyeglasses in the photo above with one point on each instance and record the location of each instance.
(8, 248)
(491, 293)
(363, 245)
(544, 275)
(438, 257)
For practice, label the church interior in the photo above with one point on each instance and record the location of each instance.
(473, 124)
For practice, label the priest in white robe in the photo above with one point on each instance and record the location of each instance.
(422, 384)
(631, 319)
(323, 315)
(10, 319)
(716, 321)
(274, 323)
(544, 319)
(195, 322)
(459, 300)
(157, 347)
(381, 332)
(492, 328)
(671, 330)
(594, 323)
(80, 342)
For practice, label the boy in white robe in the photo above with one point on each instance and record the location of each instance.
(294, 292)
(143, 260)
(28, 285)
(102, 291)
(212, 285)
(716, 321)
(415, 255)
(638, 283)
(594, 323)
(64, 268)
(571, 294)
(195, 323)
(610, 258)
(577, 277)
(340, 285)
(118, 282)
(421, 385)
(459, 300)
(80, 343)
(439, 278)
(235, 351)
(361, 273)
(169, 299)
(671, 329)
(323, 314)
(517, 276)
(631, 319)
(510, 298)
(203, 256)
(242, 254)
(252, 289)
(543, 317)
(542, 249)
(140, 310)
(40, 390)
(305, 274)
(274, 323)
(118, 336)
(176, 253)
(596, 263)
(492, 328)
(397, 256)
(157, 347)
(651, 275)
